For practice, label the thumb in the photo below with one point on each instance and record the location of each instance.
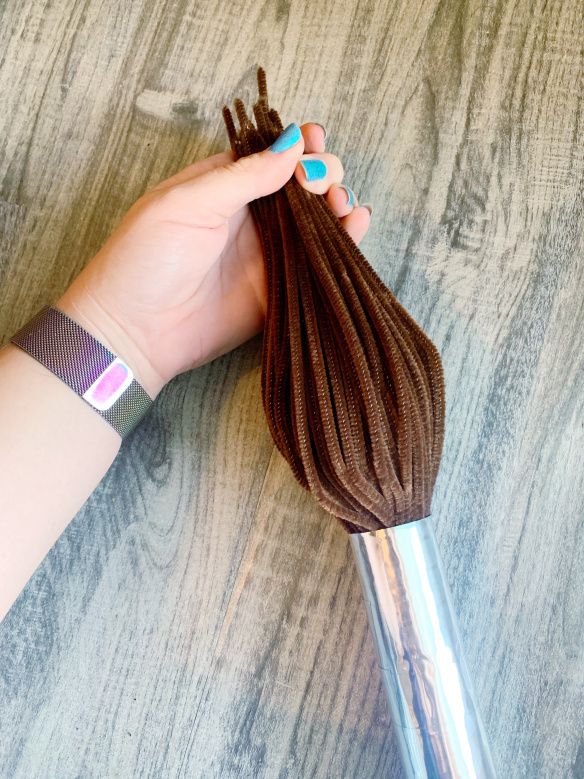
(225, 189)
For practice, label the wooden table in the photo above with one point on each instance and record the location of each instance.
(201, 617)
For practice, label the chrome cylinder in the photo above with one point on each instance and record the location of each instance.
(435, 716)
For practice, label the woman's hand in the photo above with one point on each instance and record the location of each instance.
(181, 280)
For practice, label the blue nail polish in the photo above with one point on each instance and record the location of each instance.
(314, 169)
(350, 195)
(287, 138)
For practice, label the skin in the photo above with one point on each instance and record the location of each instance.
(179, 282)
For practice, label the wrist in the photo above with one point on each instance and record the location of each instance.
(86, 311)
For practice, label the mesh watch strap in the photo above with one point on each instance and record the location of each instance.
(101, 378)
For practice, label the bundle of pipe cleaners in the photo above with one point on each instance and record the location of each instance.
(353, 389)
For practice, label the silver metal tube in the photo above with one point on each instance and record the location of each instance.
(436, 720)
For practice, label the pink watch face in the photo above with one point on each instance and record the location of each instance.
(108, 387)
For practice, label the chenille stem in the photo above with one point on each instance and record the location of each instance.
(352, 388)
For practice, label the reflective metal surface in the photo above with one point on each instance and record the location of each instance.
(434, 713)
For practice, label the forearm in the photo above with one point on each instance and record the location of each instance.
(54, 451)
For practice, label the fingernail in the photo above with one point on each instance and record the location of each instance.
(314, 169)
(287, 138)
(350, 195)
(323, 128)
(368, 206)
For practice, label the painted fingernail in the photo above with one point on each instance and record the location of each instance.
(368, 206)
(287, 138)
(314, 169)
(323, 128)
(350, 195)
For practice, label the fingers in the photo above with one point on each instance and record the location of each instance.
(222, 190)
(357, 223)
(314, 135)
(340, 198)
(344, 203)
(312, 132)
(318, 172)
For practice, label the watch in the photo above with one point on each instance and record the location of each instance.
(101, 378)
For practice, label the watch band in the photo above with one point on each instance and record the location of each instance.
(101, 378)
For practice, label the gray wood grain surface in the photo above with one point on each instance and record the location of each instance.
(201, 617)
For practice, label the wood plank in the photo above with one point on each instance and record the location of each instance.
(201, 617)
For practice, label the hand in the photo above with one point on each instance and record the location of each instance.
(181, 280)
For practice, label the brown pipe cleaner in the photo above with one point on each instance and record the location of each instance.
(353, 390)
